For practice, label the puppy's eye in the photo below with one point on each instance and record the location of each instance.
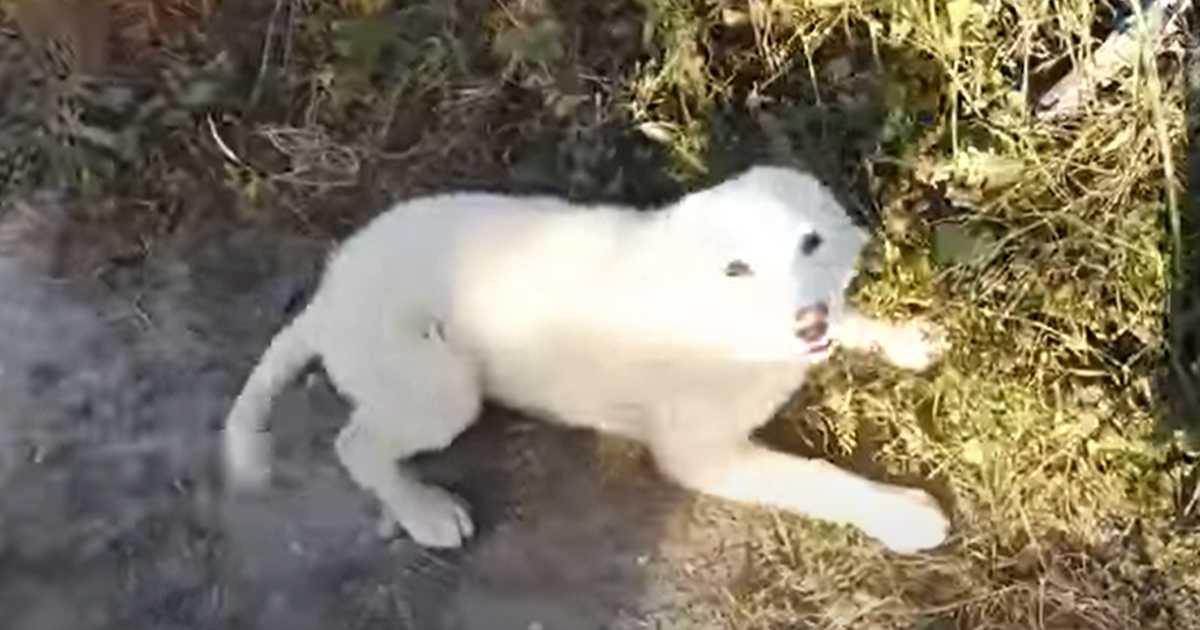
(738, 269)
(810, 243)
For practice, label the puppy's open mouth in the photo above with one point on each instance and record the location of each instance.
(812, 327)
(821, 347)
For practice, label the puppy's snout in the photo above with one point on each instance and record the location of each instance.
(812, 322)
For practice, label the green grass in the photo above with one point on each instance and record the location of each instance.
(1044, 247)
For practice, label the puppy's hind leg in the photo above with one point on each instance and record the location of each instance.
(421, 404)
(431, 515)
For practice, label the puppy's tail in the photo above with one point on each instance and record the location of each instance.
(247, 438)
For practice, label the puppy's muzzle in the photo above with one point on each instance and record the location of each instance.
(812, 326)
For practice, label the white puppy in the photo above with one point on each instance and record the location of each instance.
(683, 328)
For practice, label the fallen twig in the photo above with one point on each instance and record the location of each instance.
(216, 136)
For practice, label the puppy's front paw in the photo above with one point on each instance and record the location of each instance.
(907, 520)
(916, 345)
(436, 518)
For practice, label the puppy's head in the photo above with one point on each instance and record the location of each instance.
(779, 251)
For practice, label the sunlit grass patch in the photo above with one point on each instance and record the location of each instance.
(1040, 244)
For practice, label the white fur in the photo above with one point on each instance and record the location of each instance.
(596, 316)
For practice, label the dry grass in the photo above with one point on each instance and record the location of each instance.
(1043, 422)
(1041, 245)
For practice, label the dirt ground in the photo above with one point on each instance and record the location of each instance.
(113, 515)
